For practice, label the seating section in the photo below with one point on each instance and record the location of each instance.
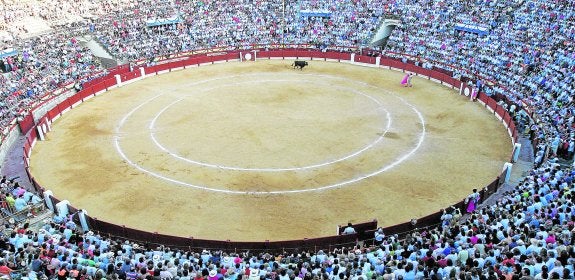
(520, 52)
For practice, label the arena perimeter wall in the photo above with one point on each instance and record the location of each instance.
(35, 125)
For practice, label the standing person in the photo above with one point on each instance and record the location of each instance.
(571, 149)
(379, 236)
(348, 230)
(474, 93)
(472, 200)
(446, 218)
(533, 131)
(555, 145)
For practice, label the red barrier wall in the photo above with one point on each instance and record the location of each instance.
(365, 59)
(365, 230)
(27, 123)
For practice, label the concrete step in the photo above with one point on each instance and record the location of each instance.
(520, 170)
(96, 48)
(526, 153)
(34, 26)
(34, 222)
(384, 30)
(37, 221)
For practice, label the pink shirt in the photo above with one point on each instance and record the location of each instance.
(473, 239)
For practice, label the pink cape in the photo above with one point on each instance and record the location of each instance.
(474, 94)
(405, 79)
(471, 206)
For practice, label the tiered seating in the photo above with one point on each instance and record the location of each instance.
(528, 51)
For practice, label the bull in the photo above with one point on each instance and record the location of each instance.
(299, 63)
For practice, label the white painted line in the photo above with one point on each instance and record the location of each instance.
(237, 168)
(322, 188)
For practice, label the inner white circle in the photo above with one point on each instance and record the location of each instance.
(152, 128)
(385, 168)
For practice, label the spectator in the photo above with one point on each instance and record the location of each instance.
(524, 59)
(349, 229)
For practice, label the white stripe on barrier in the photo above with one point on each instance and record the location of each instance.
(365, 64)
(118, 80)
(40, 133)
(130, 81)
(88, 97)
(32, 144)
(64, 111)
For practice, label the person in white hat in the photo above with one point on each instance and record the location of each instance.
(254, 274)
(156, 258)
(213, 275)
(205, 256)
(378, 236)
(227, 260)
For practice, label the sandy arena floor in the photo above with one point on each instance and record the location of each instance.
(256, 150)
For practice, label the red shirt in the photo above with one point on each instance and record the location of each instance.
(5, 270)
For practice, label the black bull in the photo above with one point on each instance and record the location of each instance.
(299, 63)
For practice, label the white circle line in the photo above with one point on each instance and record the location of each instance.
(235, 168)
(125, 118)
(332, 186)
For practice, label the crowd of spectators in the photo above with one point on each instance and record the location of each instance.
(527, 234)
(526, 60)
(43, 64)
(52, 60)
(15, 198)
(13, 13)
(236, 24)
(531, 40)
(528, 52)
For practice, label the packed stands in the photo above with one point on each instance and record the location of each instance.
(520, 52)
